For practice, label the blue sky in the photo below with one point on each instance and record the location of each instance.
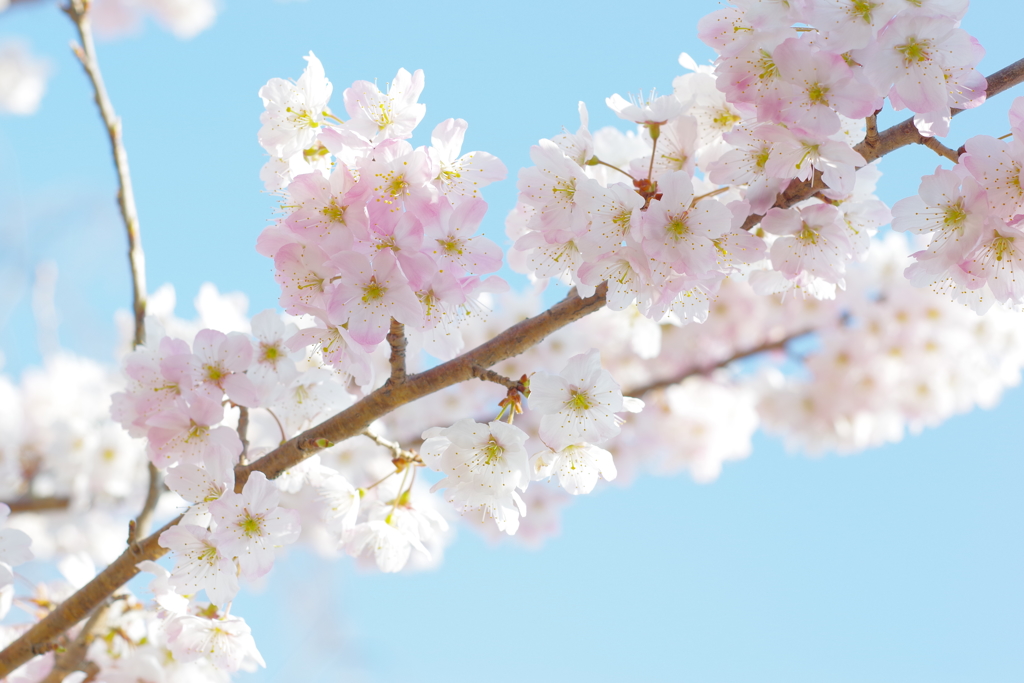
(899, 564)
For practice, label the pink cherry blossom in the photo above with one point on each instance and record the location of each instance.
(369, 294)
(394, 114)
(250, 525)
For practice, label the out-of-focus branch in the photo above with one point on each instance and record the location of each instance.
(892, 138)
(243, 434)
(73, 657)
(78, 10)
(30, 504)
(140, 525)
(639, 391)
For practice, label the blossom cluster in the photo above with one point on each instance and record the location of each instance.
(972, 215)
(783, 104)
(376, 230)
(488, 464)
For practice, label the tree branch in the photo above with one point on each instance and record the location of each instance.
(140, 525)
(30, 504)
(38, 639)
(486, 375)
(939, 148)
(243, 433)
(356, 418)
(78, 10)
(638, 392)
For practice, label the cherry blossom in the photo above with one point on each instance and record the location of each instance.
(380, 115)
(578, 404)
(22, 79)
(250, 525)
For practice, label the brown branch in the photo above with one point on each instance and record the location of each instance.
(486, 375)
(348, 423)
(939, 148)
(892, 138)
(638, 392)
(400, 456)
(40, 637)
(30, 504)
(398, 343)
(78, 10)
(356, 418)
(73, 658)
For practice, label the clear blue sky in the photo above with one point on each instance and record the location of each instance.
(904, 563)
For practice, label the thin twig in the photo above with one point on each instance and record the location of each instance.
(145, 518)
(638, 392)
(595, 161)
(243, 431)
(939, 148)
(78, 10)
(400, 455)
(488, 375)
(871, 132)
(398, 343)
(280, 427)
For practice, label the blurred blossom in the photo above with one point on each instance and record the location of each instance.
(22, 77)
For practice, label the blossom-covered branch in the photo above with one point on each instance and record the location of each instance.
(344, 425)
(892, 138)
(354, 420)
